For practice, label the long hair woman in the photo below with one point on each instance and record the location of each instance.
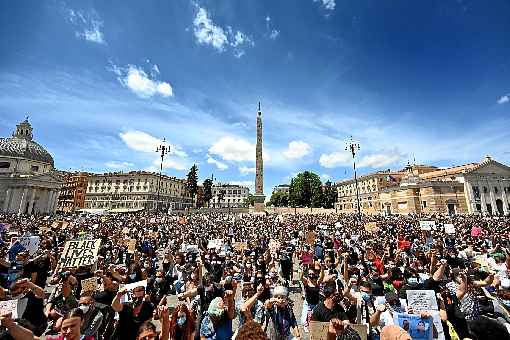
(182, 324)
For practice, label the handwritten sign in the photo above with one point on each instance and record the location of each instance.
(319, 331)
(30, 243)
(421, 300)
(79, 253)
(449, 228)
(131, 246)
(88, 285)
(427, 225)
(9, 306)
(310, 238)
(371, 227)
(216, 243)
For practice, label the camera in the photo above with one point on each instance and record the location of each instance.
(64, 275)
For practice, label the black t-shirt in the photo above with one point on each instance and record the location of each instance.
(129, 324)
(34, 313)
(323, 314)
(208, 294)
(105, 297)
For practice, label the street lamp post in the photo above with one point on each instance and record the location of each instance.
(163, 150)
(353, 147)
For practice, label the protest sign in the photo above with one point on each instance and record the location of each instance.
(371, 227)
(9, 306)
(131, 246)
(418, 328)
(319, 331)
(449, 228)
(125, 230)
(129, 287)
(79, 253)
(310, 238)
(240, 246)
(274, 246)
(476, 231)
(88, 285)
(30, 243)
(216, 243)
(421, 300)
(153, 234)
(427, 225)
(4, 227)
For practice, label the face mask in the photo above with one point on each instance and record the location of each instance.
(85, 308)
(137, 301)
(132, 276)
(159, 279)
(365, 296)
(181, 320)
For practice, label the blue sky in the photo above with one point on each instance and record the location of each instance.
(103, 81)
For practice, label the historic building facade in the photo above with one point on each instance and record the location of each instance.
(369, 187)
(474, 188)
(28, 182)
(229, 195)
(72, 194)
(285, 188)
(136, 190)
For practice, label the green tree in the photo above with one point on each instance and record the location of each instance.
(279, 199)
(249, 201)
(306, 189)
(207, 191)
(192, 181)
(330, 195)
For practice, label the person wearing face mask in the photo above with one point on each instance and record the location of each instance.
(311, 284)
(182, 324)
(331, 307)
(132, 314)
(282, 321)
(253, 307)
(92, 317)
(217, 323)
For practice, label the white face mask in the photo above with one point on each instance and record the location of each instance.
(85, 308)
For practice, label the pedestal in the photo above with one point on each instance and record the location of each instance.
(259, 202)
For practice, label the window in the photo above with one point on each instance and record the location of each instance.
(485, 190)
(5, 165)
(34, 168)
(424, 203)
(495, 190)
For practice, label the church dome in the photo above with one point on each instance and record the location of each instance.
(21, 145)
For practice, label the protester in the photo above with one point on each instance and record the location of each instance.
(349, 275)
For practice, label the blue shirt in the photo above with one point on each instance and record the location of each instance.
(222, 331)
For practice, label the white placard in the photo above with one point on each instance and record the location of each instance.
(421, 300)
(427, 225)
(449, 228)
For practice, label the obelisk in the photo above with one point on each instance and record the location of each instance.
(259, 168)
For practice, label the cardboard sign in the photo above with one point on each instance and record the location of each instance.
(427, 225)
(79, 253)
(60, 224)
(88, 285)
(449, 228)
(9, 306)
(421, 300)
(319, 331)
(419, 328)
(310, 238)
(30, 243)
(131, 246)
(371, 227)
(240, 246)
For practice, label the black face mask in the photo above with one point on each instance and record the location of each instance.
(137, 301)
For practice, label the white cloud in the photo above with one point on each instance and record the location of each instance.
(326, 177)
(244, 170)
(233, 149)
(118, 165)
(379, 160)
(328, 4)
(274, 34)
(504, 99)
(144, 142)
(170, 163)
(335, 159)
(297, 149)
(208, 33)
(88, 25)
(220, 165)
(138, 81)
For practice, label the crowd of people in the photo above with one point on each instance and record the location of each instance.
(248, 276)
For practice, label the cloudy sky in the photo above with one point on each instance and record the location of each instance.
(105, 81)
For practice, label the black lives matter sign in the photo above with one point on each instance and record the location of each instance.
(79, 253)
